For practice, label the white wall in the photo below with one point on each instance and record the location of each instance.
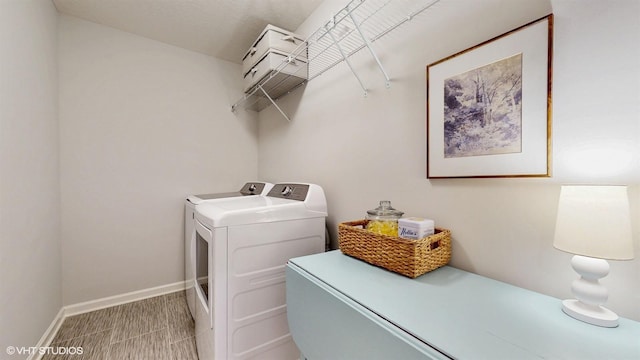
(362, 150)
(142, 125)
(30, 281)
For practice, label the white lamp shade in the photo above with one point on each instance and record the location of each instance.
(594, 221)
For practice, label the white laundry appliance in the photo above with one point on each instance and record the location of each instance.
(249, 189)
(242, 247)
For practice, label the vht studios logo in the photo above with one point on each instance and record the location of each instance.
(53, 350)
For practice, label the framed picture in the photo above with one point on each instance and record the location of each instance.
(489, 107)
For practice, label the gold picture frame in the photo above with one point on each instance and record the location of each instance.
(489, 107)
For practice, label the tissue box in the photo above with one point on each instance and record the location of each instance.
(415, 228)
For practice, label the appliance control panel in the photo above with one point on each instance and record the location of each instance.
(290, 191)
(252, 188)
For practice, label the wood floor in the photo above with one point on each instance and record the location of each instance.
(157, 328)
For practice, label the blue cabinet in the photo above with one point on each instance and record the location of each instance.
(342, 308)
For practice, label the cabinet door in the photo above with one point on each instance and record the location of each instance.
(326, 324)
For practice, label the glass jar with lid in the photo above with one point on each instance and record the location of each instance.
(384, 219)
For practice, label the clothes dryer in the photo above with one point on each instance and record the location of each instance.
(242, 247)
(249, 189)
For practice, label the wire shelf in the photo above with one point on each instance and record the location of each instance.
(351, 29)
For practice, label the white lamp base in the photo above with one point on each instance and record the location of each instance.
(595, 315)
(590, 294)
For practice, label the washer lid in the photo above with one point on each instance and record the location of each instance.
(250, 188)
(253, 210)
(197, 199)
(259, 209)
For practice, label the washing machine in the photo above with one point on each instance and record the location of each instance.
(249, 189)
(242, 248)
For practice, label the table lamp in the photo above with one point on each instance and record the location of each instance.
(594, 224)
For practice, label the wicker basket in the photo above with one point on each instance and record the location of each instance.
(408, 257)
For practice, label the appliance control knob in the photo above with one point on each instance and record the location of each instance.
(252, 188)
(286, 191)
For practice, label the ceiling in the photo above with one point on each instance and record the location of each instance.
(221, 28)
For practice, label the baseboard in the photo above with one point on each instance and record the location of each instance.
(110, 301)
(48, 335)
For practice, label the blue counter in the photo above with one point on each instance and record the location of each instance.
(446, 313)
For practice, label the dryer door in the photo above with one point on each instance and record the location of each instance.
(210, 286)
(190, 256)
(203, 240)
